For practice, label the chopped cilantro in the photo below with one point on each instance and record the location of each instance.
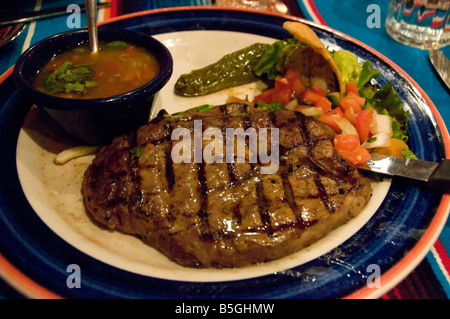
(204, 107)
(137, 151)
(69, 78)
(372, 139)
(272, 107)
(116, 44)
(200, 108)
(407, 153)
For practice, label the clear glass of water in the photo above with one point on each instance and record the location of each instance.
(423, 24)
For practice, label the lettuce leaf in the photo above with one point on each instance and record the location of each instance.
(384, 100)
(270, 64)
(387, 99)
(366, 75)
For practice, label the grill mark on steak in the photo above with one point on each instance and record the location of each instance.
(168, 158)
(323, 194)
(309, 142)
(215, 215)
(263, 205)
(136, 197)
(236, 213)
(205, 230)
(303, 131)
(237, 217)
(204, 227)
(230, 166)
(289, 197)
(263, 209)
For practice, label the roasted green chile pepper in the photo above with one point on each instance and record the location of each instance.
(231, 70)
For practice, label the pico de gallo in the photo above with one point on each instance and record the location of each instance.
(365, 118)
(333, 86)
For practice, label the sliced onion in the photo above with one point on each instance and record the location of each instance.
(378, 140)
(381, 124)
(291, 105)
(320, 83)
(347, 127)
(312, 111)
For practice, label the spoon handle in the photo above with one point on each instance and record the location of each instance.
(91, 12)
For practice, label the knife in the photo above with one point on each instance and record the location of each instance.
(28, 17)
(442, 65)
(435, 176)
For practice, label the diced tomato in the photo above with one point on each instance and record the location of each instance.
(297, 84)
(352, 91)
(351, 87)
(116, 66)
(283, 91)
(361, 100)
(317, 90)
(310, 97)
(350, 115)
(331, 118)
(363, 123)
(324, 103)
(337, 111)
(361, 155)
(350, 102)
(346, 142)
(266, 96)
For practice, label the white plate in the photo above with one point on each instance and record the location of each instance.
(54, 191)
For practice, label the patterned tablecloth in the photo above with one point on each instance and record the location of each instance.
(431, 279)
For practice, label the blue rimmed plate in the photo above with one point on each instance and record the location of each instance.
(44, 229)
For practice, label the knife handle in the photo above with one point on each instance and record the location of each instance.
(440, 179)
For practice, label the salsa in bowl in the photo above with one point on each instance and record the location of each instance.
(95, 96)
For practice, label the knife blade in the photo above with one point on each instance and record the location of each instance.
(442, 65)
(42, 14)
(436, 176)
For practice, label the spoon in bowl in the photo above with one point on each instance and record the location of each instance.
(91, 12)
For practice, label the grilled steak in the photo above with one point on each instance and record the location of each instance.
(225, 214)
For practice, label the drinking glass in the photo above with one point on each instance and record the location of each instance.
(423, 24)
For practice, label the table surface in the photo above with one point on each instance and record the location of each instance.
(431, 279)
